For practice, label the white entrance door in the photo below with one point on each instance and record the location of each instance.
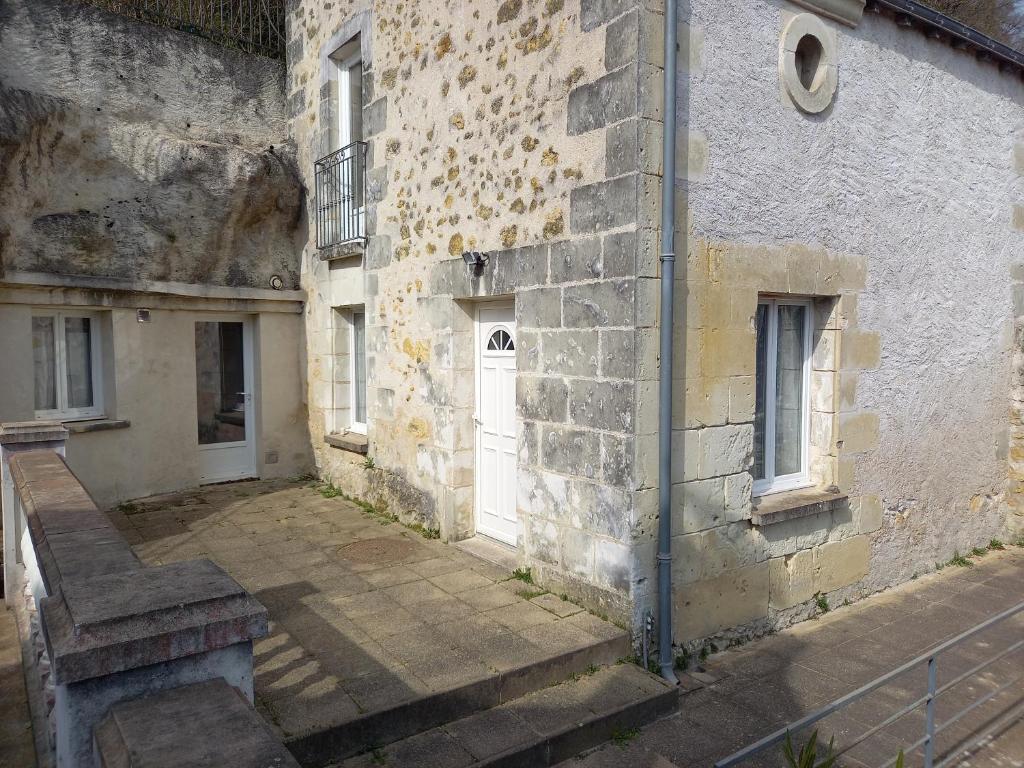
(224, 386)
(496, 424)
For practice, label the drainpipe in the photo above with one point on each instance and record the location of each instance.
(668, 276)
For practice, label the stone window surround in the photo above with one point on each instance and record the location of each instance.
(359, 26)
(821, 462)
(339, 433)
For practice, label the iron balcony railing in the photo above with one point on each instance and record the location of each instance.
(931, 727)
(253, 26)
(341, 195)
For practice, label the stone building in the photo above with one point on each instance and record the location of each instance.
(848, 207)
(461, 323)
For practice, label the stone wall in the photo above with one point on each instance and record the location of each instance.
(510, 128)
(133, 152)
(893, 209)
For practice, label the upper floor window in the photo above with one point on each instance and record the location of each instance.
(782, 395)
(67, 365)
(348, 64)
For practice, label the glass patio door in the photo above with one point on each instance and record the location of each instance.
(224, 400)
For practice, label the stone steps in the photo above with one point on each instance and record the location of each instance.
(385, 726)
(541, 728)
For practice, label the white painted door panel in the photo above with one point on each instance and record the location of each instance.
(496, 515)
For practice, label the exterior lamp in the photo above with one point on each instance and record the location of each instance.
(475, 259)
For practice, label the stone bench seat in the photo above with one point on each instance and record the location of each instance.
(198, 725)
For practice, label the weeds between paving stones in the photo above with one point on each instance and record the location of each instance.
(622, 738)
(822, 602)
(329, 491)
(523, 574)
(960, 560)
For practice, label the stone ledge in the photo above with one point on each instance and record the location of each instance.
(119, 621)
(348, 441)
(790, 505)
(203, 724)
(350, 249)
(31, 432)
(105, 613)
(97, 425)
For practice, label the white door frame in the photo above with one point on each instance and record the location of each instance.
(222, 462)
(478, 349)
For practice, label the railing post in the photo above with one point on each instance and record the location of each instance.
(16, 437)
(929, 743)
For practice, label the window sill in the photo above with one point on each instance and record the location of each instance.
(95, 425)
(349, 249)
(348, 441)
(791, 505)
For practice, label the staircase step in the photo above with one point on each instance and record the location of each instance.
(385, 726)
(541, 728)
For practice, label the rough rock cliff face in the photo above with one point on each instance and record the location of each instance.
(133, 152)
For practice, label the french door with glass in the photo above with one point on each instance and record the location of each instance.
(224, 400)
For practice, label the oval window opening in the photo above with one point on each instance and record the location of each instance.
(501, 341)
(809, 66)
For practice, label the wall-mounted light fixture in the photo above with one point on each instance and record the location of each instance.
(475, 259)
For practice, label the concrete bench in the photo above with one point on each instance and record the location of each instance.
(112, 629)
(204, 724)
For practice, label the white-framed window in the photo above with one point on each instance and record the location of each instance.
(67, 364)
(357, 356)
(349, 71)
(782, 399)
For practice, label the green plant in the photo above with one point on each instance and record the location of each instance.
(523, 574)
(704, 650)
(683, 661)
(808, 755)
(822, 602)
(127, 508)
(960, 560)
(529, 594)
(978, 552)
(328, 491)
(622, 738)
(378, 757)
(996, 544)
(899, 760)
(1019, 541)
(368, 462)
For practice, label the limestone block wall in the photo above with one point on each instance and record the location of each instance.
(133, 152)
(508, 127)
(893, 209)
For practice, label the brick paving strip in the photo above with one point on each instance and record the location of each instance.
(764, 685)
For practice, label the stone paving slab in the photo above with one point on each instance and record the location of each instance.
(366, 616)
(17, 748)
(760, 687)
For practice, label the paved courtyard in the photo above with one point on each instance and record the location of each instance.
(769, 683)
(366, 614)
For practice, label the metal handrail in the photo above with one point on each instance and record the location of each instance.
(341, 195)
(934, 691)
